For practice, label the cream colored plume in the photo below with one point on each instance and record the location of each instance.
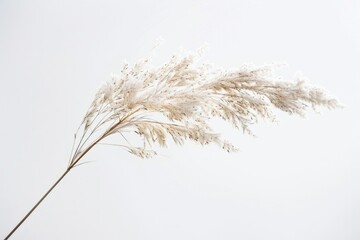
(187, 93)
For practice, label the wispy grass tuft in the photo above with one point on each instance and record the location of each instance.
(187, 93)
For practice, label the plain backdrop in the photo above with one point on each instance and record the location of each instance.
(298, 179)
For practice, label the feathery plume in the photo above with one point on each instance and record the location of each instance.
(176, 101)
(187, 93)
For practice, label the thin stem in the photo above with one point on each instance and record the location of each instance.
(73, 164)
(72, 149)
(86, 130)
(56, 183)
(81, 144)
(37, 204)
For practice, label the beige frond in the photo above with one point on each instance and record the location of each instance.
(188, 94)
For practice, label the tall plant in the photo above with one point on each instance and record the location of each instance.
(187, 94)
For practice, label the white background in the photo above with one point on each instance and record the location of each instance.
(298, 179)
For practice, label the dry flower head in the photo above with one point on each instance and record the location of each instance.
(188, 93)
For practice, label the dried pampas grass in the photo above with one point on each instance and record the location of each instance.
(187, 94)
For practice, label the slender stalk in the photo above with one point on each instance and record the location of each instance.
(73, 164)
(37, 204)
(51, 188)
